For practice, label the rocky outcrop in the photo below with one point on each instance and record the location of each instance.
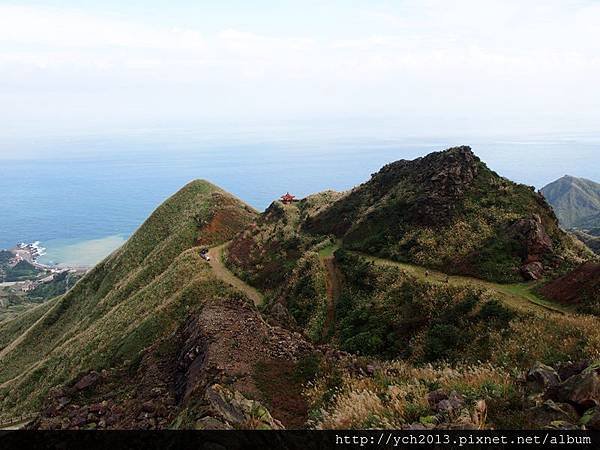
(534, 243)
(541, 377)
(582, 390)
(448, 210)
(202, 375)
(452, 412)
(565, 397)
(229, 409)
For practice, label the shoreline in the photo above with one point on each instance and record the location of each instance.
(30, 253)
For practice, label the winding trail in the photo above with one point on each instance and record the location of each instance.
(517, 295)
(224, 274)
(334, 290)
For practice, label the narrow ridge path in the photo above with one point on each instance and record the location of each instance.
(223, 273)
(334, 289)
(518, 295)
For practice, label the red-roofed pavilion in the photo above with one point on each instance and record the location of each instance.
(287, 198)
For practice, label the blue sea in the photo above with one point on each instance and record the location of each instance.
(82, 195)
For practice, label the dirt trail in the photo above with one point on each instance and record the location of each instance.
(334, 289)
(219, 269)
(518, 295)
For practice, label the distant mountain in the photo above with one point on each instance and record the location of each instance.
(576, 202)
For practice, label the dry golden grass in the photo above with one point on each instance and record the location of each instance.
(397, 394)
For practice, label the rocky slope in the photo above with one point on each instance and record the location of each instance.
(149, 324)
(446, 210)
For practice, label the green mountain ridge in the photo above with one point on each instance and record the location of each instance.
(576, 201)
(154, 338)
(121, 306)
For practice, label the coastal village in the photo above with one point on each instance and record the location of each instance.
(30, 274)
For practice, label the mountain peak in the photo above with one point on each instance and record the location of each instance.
(575, 200)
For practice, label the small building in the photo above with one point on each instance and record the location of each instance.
(287, 198)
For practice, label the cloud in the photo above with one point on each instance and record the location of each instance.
(419, 56)
(76, 30)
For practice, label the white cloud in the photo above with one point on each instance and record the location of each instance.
(426, 56)
(72, 29)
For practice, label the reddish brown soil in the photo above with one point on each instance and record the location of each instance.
(223, 343)
(575, 287)
(225, 222)
(282, 392)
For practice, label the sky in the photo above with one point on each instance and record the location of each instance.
(431, 66)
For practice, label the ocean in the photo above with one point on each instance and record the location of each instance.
(82, 196)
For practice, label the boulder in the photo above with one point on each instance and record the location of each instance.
(532, 234)
(281, 316)
(569, 369)
(549, 412)
(237, 410)
(533, 271)
(582, 390)
(541, 377)
(87, 381)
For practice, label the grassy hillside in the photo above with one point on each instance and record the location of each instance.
(124, 304)
(267, 252)
(576, 201)
(448, 210)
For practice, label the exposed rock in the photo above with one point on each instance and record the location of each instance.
(544, 415)
(531, 233)
(281, 315)
(238, 411)
(87, 381)
(541, 377)
(210, 423)
(435, 397)
(452, 403)
(569, 369)
(533, 270)
(582, 390)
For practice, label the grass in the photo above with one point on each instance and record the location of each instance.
(517, 295)
(328, 250)
(126, 303)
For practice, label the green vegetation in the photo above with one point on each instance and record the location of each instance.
(58, 286)
(383, 310)
(20, 272)
(450, 212)
(575, 201)
(266, 254)
(122, 306)
(366, 272)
